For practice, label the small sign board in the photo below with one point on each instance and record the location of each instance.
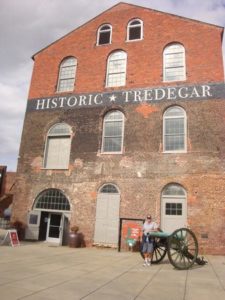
(14, 238)
(131, 232)
(11, 237)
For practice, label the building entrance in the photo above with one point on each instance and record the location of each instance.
(173, 208)
(107, 216)
(48, 221)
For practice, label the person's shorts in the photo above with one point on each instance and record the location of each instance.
(147, 248)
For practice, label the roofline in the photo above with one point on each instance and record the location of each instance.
(75, 29)
(163, 12)
(193, 20)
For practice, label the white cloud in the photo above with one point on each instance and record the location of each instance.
(29, 25)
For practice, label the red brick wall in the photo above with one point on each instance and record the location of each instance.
(202, 43)
(200, 171)
(10, 182)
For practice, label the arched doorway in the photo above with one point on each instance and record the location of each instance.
(49, 218)
(107, 216)
(173, 207)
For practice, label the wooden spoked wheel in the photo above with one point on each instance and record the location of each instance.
(160, 249)
(182, 248)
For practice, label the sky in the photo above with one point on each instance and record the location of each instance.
(27, 26)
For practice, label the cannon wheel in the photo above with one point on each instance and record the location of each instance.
(159, 252)
(160, 249)
(182, 248)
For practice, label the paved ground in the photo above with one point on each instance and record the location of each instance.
(39, 272)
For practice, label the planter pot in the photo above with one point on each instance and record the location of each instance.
(74, 240)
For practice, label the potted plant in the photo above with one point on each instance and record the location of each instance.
(74, 237)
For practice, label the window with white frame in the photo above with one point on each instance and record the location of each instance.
(67, 74)
(174, 130)
(113, 129)
(116, 69)
(57, 148)
(135, 30)
(109, 188)
(104, 35)
(174, 66)
(52, 199)
(174, 197)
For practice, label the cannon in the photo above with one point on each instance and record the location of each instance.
(181, 246)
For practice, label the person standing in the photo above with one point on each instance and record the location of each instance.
(147, 242)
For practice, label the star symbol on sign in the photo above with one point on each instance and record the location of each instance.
(112, 98)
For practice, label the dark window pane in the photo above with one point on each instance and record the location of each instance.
(52, 199)
(106, 27)
(135, 22)
(109, 188)
(104, 38)
(54, 232)
(112, 144)
(174, 209)
(33, 219)
(135, 33)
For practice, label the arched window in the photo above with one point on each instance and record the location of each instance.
(57, 148)
(174, 130)
(104, 35)
(174, 66)
(67, 74)
(52, 199)
(116, 69)
(173, 190)
(135, 30)
(109, 188)
(113, 129)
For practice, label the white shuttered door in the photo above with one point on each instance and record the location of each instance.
(174, 214)
(58, 153)
(107, 219)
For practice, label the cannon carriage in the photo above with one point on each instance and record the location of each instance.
(181, 247)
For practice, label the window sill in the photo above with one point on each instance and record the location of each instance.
(137, 40)
(182, 80)
(99, 45)
(174, 152)
(55, 169)
(109, 153)
(115, 87)
(65, 92)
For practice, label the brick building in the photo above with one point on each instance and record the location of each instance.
(125, 116)
(7, 189)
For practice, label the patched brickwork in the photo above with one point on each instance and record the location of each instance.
(142, 170)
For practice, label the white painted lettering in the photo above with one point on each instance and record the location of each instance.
(206, 91)
(54, 103)
(183, 92)
(82, 100)
(148, 95)
(90, 99)
(127, 95)
(137, 96)
(72, 101)
(61, 99)
(157, 94)
(172, 93)
(194, 93)
(40, 104)
(48, 101)
(96, 101)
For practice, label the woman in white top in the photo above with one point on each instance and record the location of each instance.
(147, 248)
